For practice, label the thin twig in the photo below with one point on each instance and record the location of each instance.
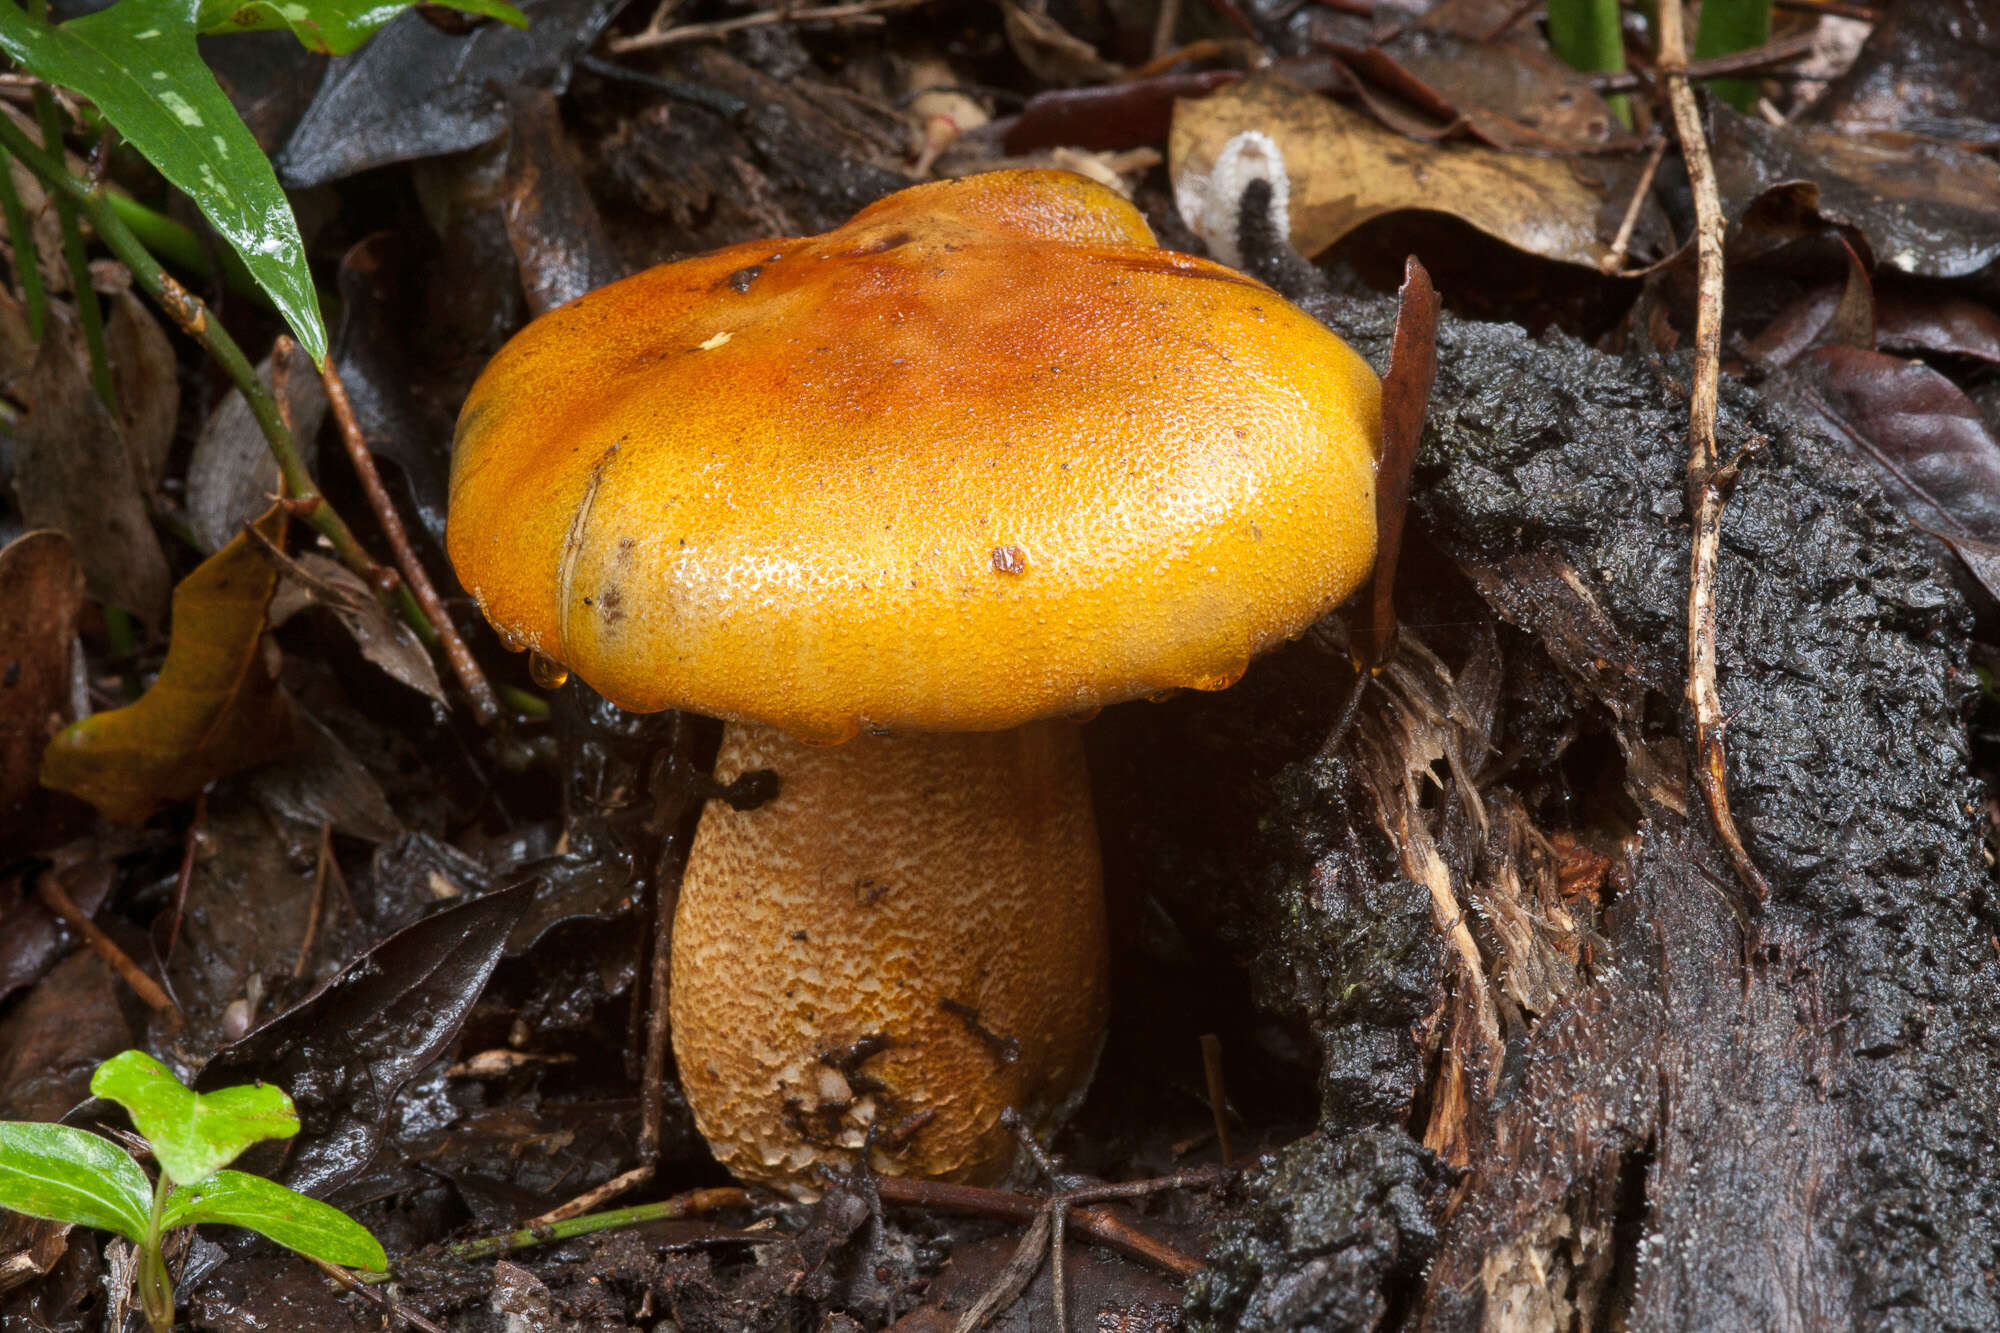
(650, 37)
(652, 1103)
(1100, 1225)
(90, 314)
(484, 706)
(1164, 24)
(1756, 60)
(57, 900)
(185, 878)
(381, 1299)
(595, 1197)
(319, 896)
(1705, 487)
(1058, 1279)
(1021, 1268)
(1218, 1097)
(1615, 260)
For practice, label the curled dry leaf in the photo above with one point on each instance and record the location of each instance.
(215, 709)
(1929, 319)
(72, 472)
(1051, 52)
(41, 594)
(1516, 97)
(1346, 169)
(1841, 313)
(1924, 439)
(382, 639)
(1927, 209)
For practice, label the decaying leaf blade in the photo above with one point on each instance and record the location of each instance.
(215, 709)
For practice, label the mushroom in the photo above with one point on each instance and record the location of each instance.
(903, 503)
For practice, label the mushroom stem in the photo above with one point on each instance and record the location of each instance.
(905, 942)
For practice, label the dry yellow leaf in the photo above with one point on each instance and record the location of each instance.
(215, 709)
(1345, 169)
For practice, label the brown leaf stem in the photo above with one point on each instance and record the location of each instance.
(484, 706)
(48, 888)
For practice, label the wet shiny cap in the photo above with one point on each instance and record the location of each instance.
(984, 454)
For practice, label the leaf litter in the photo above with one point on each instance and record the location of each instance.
(1423, 937)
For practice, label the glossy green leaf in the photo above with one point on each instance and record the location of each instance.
(289, 1218)
(333, 26)
(138, 62)
(192, 1133)
(69, 1175)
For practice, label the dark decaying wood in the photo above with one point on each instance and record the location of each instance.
(1650, 1107)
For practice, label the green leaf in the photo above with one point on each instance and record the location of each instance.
(68, 1175)
(138, 62)
(333, 26)
(269, 1209)
(192, 1133)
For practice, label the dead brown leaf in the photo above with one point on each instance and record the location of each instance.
(1345, 169)
(41, 593)
(232, 476)
(215, 709)
(1051, 52)
(17, 345)
(382, 639)
(148, 382)
(73, 472)
(1925, 209)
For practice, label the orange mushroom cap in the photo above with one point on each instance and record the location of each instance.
(983, 454)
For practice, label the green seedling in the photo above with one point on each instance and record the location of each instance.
(71, 1175)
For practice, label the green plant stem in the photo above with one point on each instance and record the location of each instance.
(524, 702)
(667, 1210)
(156, 1285)
(1729, 26)
(89, 313)
(27, 258)
(1589, 35)
(187, 310)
